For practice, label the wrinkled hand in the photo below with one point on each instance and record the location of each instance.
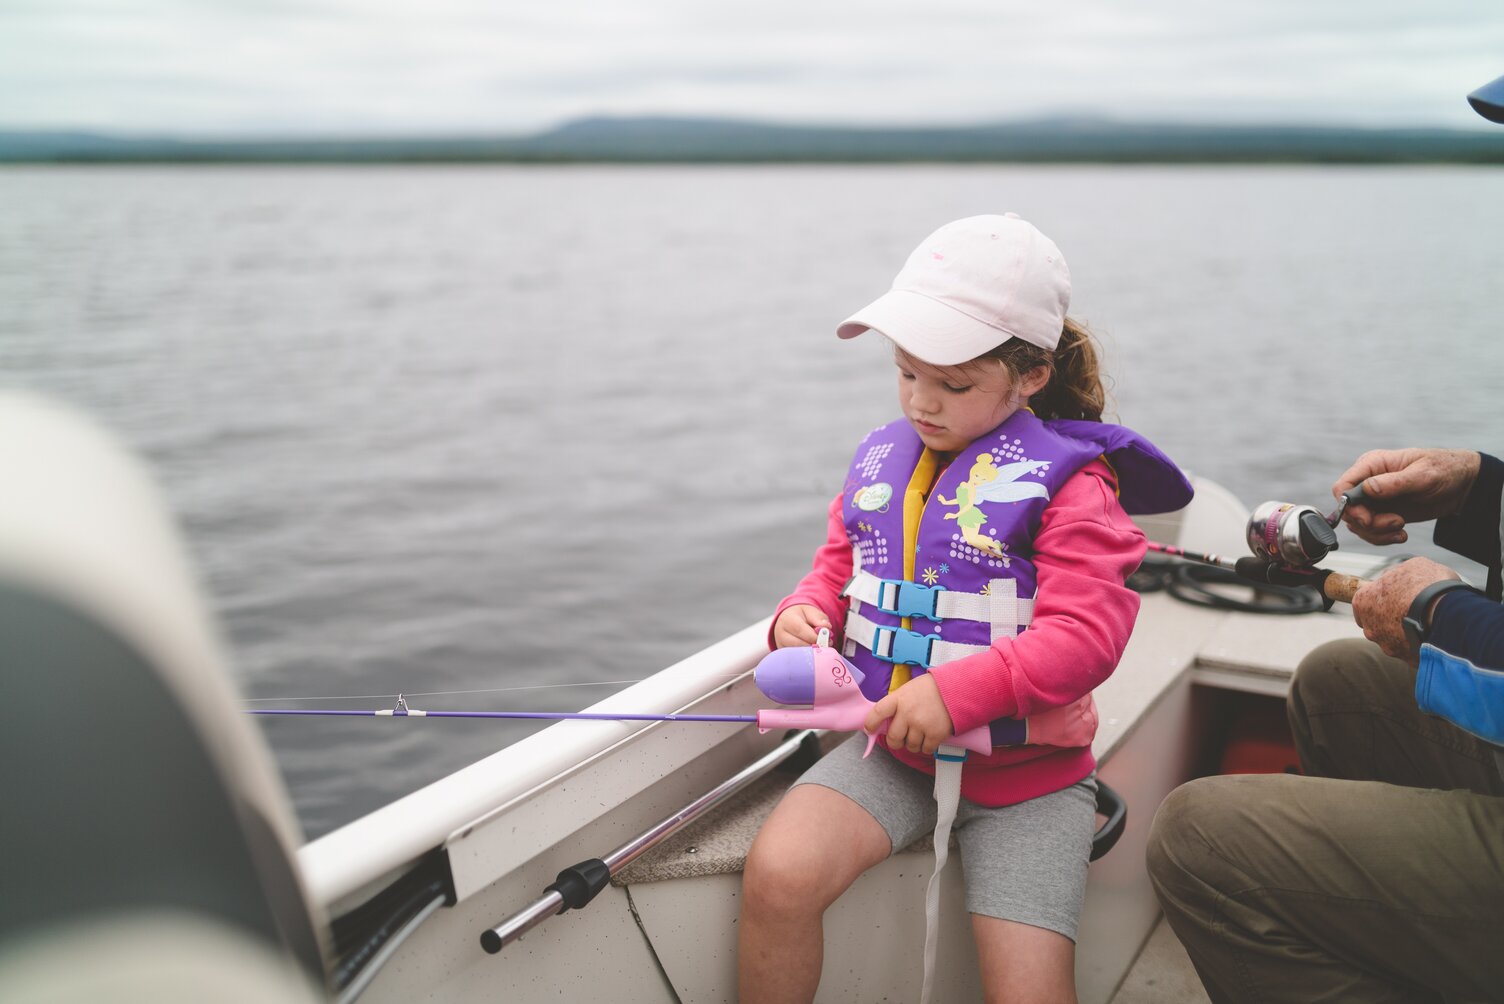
(1408, 486)
(1380, 606)
(799, 624)
(919, 723)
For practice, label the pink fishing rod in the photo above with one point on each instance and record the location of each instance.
(817, 676)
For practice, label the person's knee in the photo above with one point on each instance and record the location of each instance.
(1344, 677)
(777, 883)
(1170, 829)
(1318, 678)
(1188, 827)
(1323, 675)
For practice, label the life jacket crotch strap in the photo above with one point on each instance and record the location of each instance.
(948, 761)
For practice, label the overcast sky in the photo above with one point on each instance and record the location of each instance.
(361, 67)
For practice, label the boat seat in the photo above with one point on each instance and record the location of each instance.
(148, 844)
(717, 843)
(120, 808)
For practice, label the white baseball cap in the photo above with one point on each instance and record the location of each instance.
(969, 287)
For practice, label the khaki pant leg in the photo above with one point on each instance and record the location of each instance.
(1353, 714)
(1286, 888)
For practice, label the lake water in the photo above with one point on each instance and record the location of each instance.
(437, 429)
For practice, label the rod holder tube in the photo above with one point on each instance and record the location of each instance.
(514, 927)
(496, 938)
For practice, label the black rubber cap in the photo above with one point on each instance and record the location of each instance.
(580, 883)
(1317, 538)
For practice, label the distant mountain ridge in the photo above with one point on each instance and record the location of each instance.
(709, 140)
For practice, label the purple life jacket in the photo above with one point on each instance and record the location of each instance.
(970, 577)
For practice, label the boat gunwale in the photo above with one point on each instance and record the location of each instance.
(350, 860)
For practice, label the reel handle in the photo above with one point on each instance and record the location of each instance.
(1357, 496)
(1353, 496)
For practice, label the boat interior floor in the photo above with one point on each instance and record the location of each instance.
(1181, 695)
(1162, 974)
(717, 844)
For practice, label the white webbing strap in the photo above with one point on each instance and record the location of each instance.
(948, 603)
(985, 608)
(1002, 596)
(861, 631)
(948, 761)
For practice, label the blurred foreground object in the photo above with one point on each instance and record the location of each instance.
(1488, 100)
(147, 851)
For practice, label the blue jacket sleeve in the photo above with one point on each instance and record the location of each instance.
(1461, 674)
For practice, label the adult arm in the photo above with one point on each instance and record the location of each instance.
(1461, 666)
(1461, 675)
(1405, 486)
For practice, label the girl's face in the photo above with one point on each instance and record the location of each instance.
(952, 406)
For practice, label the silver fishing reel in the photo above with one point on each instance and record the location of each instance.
(1290, 534)
(1297, 535)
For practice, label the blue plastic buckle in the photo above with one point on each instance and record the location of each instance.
(909, 648)
(908, 599)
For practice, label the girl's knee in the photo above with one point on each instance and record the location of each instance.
(809, 851)
(784, 884)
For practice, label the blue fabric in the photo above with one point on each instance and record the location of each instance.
(1470, 627)
(1009, 732)
(1461, 676)
(1470, 696)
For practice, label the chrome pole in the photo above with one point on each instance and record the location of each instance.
(553, 902)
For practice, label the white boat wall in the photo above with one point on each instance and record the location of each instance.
(415, 886)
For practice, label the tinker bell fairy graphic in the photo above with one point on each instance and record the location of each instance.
(989, 483)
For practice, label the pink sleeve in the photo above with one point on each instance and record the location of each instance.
(1083, 613)
(830, 572)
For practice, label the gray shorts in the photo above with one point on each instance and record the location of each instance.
(1024, 862)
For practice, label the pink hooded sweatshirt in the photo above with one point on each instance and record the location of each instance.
(1083, 616)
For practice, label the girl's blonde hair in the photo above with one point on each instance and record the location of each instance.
(1075, 388)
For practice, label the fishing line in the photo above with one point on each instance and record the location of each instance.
(449, 693)
(444, 693)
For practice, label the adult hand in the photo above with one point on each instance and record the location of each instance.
(920, 722)
(1407, 486)
(1380, 606)
(799, 624)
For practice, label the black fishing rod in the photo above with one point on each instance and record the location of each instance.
(1287, 540)
(1261, 571)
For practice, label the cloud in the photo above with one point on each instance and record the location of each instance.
(447, 66)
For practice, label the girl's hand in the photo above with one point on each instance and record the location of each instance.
(919, 723)
(799, 624)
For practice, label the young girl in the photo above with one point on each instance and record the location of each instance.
(997, 502)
